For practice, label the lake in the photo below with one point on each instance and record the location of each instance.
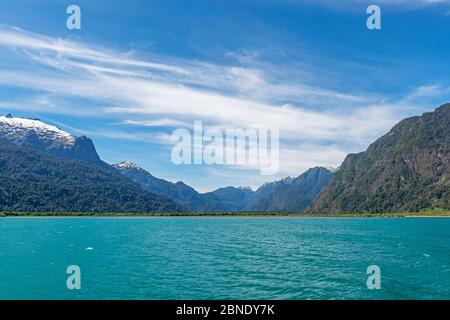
(225, 258)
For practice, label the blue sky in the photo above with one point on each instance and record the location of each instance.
(137, 70)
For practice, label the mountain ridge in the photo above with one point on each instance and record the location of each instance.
(34, 181)
(35, 134)
(232, 199)
(407, 169)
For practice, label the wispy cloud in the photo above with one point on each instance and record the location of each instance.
(225, 96)
(318, 126)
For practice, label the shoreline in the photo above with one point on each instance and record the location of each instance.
(425, 214)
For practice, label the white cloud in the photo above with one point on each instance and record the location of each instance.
(152, 93)
(130, 90)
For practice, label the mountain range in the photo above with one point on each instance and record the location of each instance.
(287, 195)
(44, 168)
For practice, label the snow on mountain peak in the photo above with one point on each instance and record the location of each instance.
(126, 165)
(16, 128)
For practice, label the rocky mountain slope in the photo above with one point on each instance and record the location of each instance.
(291, 195)
(408, 169)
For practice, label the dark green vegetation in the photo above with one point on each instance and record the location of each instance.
(421, 214)
(287, 195)
(407, 170)
(32, 181)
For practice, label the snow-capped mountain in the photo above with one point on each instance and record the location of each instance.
(333, 169)
(33, 133)
(126, 165)
(269, 186)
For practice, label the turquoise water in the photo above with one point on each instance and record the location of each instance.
(224, 258)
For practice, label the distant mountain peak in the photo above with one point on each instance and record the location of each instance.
(287, 180)
(272, 184)
(290, 194)
(444, 108)
(126, 165)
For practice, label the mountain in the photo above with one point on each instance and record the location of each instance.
(291, 194)
(179, 192)
(34, 181)
(408, 169)
(233, 199)
(35, 134)
(264, 192)
(287, 195)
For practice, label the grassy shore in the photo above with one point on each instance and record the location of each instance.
(426, 213)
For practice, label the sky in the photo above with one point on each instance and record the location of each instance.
(138, 70)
